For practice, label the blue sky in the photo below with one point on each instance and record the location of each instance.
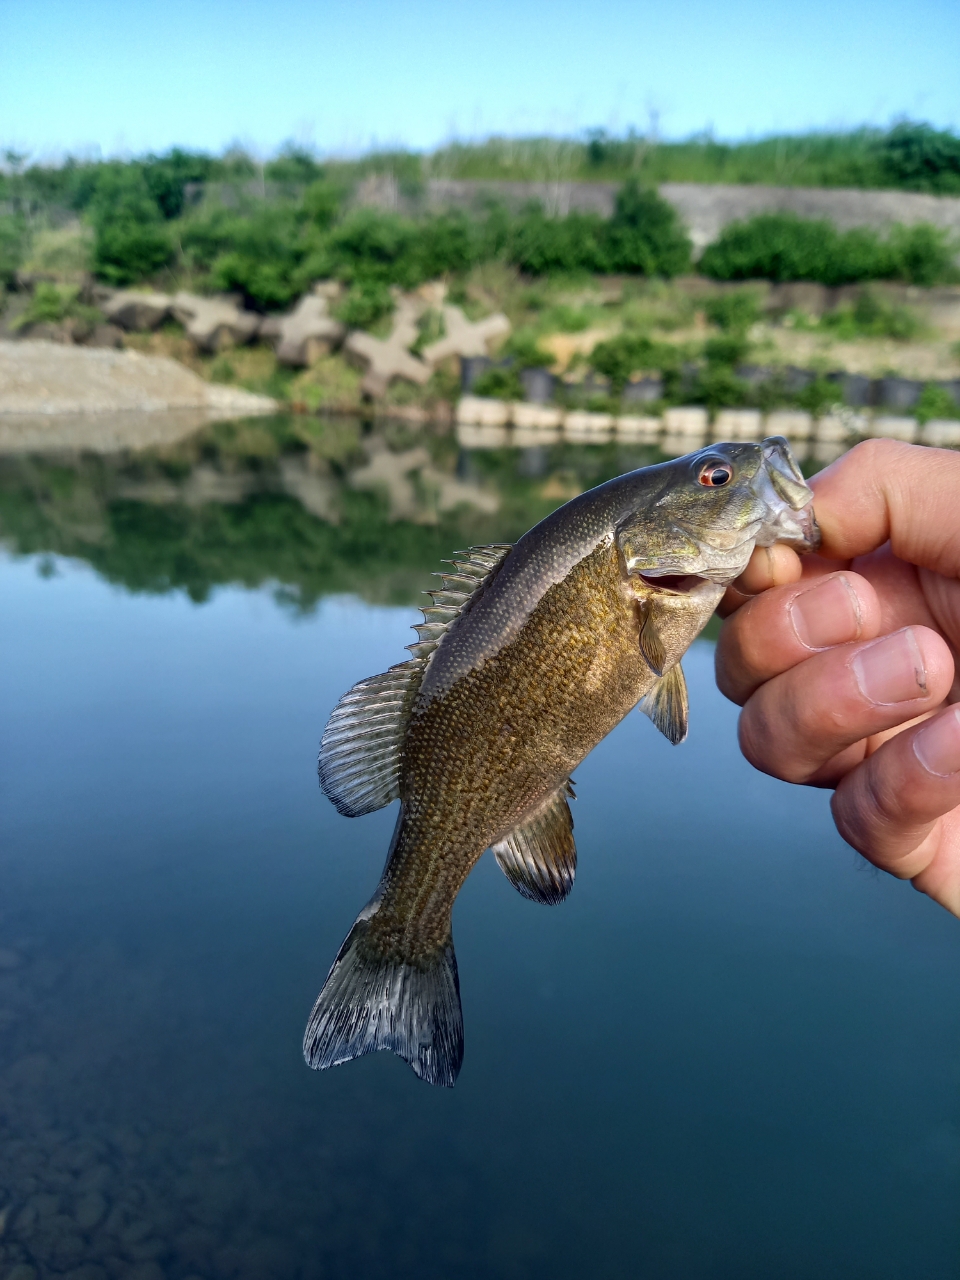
(127, 77)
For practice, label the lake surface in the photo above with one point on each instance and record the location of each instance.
(734, 1052)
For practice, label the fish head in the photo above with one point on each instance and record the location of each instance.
(710, 510)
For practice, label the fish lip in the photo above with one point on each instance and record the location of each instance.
(812, 537)
(781, 486)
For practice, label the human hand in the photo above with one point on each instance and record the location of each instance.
(844, 662)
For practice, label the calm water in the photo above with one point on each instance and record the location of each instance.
(732, 1053)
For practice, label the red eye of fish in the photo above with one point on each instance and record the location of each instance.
(713, 476)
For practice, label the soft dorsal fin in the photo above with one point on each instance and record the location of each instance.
(666, 704)
(359, 763)
(539, 857)
(473, 568)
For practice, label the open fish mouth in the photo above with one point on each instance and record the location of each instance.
(674, 583)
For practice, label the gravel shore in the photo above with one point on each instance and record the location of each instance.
(57, 396)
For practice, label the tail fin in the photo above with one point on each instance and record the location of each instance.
(370, 1002)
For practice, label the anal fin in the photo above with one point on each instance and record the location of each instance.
(539, 857)
(666, 704)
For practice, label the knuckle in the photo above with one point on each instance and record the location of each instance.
(778, 736)
(739, 656)
(761, 740)
(874, 453)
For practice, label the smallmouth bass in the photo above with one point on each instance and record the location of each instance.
(527, 658)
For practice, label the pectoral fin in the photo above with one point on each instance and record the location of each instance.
(539, 857)
(651, 642)
(666, 705)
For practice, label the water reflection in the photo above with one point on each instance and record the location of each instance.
(730, 1054)
(320, 506)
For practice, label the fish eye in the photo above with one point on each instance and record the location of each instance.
(715, 474)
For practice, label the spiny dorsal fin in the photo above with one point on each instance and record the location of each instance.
(666, 705)
(359, 763)
(539, 857)
(473, 569)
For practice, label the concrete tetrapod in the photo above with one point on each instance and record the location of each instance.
(133, 310)
(214, 323)
(388, 358)
(307, 332)
(463, 337)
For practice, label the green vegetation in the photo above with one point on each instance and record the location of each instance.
(868, 317)
(733, 312)
(132, 240)
(910, 156)
(268, 230)
(51, 303)
(936, 402)
(781, 246)
(14, 239)
(635, 353)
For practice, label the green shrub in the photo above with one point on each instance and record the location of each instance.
(52, 303)
(563, 318)
(645, 236)
(627, 353)
(543, 246)
(293, 165)
(921, 157)
(782, 246)
(733, 312)
(730, 349)
(132, 242)
(499, 384)
(446, 244)
(374, 246)
(921, 254)
(817, 397)
(936, 402)
(13, 246)
(322, 201)
(718, 387)
(522, 346)
(167, 176)
(366, 302)
(772, 246)
(871, 317)
(48, 304)
(256, 253)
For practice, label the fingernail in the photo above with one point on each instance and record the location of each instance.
(826, 614)
(891, 669)
(937, 744)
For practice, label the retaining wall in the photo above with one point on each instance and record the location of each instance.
(705, 208)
